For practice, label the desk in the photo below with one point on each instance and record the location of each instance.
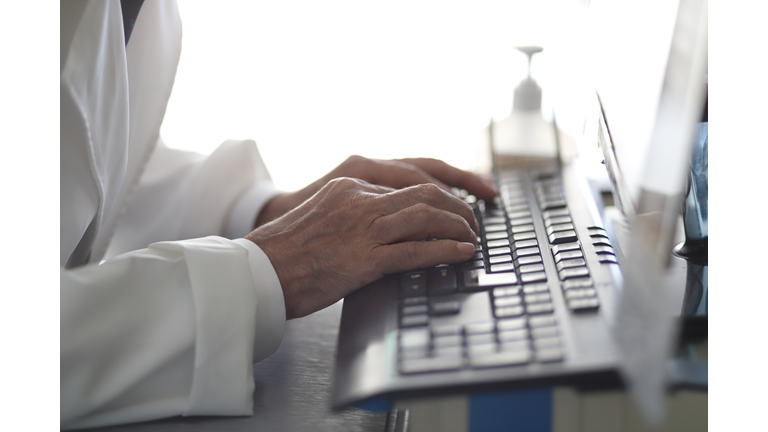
(293, 389)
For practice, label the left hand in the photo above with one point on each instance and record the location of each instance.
(398, 174)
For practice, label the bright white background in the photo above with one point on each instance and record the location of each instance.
(314, 82)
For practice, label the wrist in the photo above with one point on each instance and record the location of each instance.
(277, 206)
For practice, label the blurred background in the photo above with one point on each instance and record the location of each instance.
(313, 83)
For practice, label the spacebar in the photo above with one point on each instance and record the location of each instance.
(501, 359)
(476, 280)
(430, 364)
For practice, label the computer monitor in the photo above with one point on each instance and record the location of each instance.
(649, 68)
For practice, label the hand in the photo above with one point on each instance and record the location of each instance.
(393, 173)
(351, 233)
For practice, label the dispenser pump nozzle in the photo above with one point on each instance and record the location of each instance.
(528, 93)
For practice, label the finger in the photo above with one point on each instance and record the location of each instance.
(422, 221)
(340, 184)
(400, 175)
(407, 256)
(433, 196)
(453, 176)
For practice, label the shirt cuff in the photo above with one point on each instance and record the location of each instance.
(243, 216)
(270, 303)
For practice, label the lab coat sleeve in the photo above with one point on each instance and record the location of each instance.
(167, 330)
(183, 195)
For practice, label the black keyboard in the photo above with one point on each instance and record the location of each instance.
(508, 265)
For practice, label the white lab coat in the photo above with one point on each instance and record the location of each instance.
(161, 315)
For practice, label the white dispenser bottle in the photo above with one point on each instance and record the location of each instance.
(524, 138)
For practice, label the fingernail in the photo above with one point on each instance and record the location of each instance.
(466, 248)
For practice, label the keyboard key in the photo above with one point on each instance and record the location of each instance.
(601, 242)
(499, 251)
(414, 353)
(554, 204)
(533, 277)
(475, 280)
(578, 262)
(449, 351)
(481, 339)
(474, 264)
(580, 293)
(414, 338)
(446, 307)
(495, 227)
(505, 358)
(414, 309)
(573, 273)
(525, 252)
(562, 237)
(508, 311)
(447, 329)
(521, 228)
(554, 213)
(565, 247)
(524, 236)
(568, 255)
(535, 288)
(481, 327)
(547, 343)
(557, 220)
(520, 221)
(478, 255)
(414, 320)
(549, 355)
(531, 259)
(506, 267)
(597, 232)
(414, 301)
(604, 250)
(608, 259)
(584, 304)
(542, 321)
(500, 259)
(506, 291)
(413, 284)
(518, 214)
(513, 335)
(514, 345)
(537, 298)
(526, 243)
(494, 220)
(577, 283)
(539, 308)
(496, 235)
(498, 243)
(531, 268)
(559, 227)
(544, 332)
(448, 340)
(507, 301)
(511, 324)
(434, 364)
(442, 280)
(482, 349)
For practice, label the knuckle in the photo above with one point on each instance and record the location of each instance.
(344, 183)
(430, 190)
(420, 212)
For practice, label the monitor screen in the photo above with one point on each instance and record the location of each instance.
(648, 62)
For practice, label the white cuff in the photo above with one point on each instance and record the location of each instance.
(243, 216)
(270, 303)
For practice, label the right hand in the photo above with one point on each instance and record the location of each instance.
(351, 233)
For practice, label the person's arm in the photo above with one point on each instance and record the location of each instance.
(169, 330)
(184, 195)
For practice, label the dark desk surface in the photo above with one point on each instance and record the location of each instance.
(293, 388)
